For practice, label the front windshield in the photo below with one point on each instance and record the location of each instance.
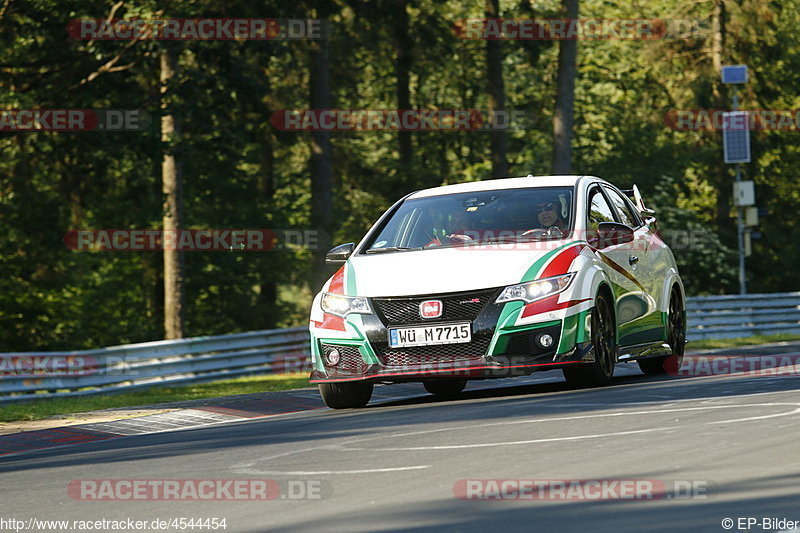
(506, 215)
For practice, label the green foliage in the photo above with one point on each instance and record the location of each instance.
(706, 265)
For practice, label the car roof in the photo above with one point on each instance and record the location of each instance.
(504, 183)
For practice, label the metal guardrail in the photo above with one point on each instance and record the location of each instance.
(201, 359)
(34, 375)
(724, 317)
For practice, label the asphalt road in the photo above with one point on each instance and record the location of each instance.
(696, 450)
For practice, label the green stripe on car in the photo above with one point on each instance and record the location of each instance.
(536, 267)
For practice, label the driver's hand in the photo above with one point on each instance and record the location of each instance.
(433, 242)
(458, 237)
(554, 231)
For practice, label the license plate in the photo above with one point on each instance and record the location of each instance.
(430, 335)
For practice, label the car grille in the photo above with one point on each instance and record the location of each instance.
(442, 353)
(350, 359)
(455, 306)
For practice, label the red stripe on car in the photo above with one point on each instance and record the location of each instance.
(548, 304)
(337, 282)
(560, 263)
(333, 322)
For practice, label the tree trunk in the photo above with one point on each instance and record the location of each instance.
(404, 52)
(718, 45)
(265, 182)
(497, 96)
(321, 161)
(173, 202)
(563, 118)
(721, 175)
(268, 290)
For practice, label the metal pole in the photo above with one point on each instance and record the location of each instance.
(740, 238)
(739, 221)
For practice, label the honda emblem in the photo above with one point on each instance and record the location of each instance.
(430, 309)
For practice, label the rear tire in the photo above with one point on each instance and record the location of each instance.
(604, 343)
(346, 395)
(446, 388)
(676, 338)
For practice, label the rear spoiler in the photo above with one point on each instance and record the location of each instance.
(636, 196)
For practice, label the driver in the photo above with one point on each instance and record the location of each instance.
(549, 213)
(460, 227)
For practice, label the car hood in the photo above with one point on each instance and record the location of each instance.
(445, 269)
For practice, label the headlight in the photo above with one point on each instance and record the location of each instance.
(339, 305)
(529, 292)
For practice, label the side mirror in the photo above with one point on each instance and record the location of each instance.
(610, 234)
(339, 254)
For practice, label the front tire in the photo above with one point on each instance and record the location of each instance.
(604, 343)
(346, 395)
(676, 338)
(446, 388)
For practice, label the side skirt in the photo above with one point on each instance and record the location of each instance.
(644, 351)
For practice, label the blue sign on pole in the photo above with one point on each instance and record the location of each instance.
(734, 74)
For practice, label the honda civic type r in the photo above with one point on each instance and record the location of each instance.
(495, 279)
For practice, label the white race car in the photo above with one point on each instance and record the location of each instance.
(495, 279)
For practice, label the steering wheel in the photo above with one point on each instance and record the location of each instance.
(536, 233)
(542, 233)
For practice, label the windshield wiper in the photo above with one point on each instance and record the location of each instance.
(390, 249)
(499, 240)
(536, 234)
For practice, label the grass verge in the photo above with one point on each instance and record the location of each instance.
(740, 341)
(39, 409)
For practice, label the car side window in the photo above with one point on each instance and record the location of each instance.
(626, 215)
(599, 210)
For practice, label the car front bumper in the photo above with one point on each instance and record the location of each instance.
(510, 353)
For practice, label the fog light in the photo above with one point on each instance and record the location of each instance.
(545, 340)
(333, 357)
